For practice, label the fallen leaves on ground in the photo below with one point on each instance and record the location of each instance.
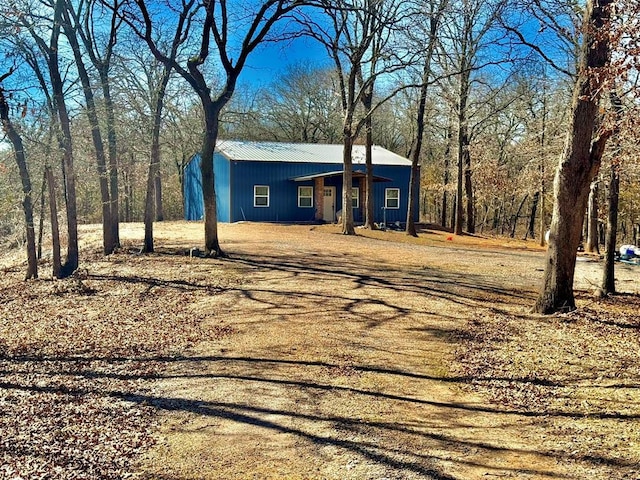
(579, 371)
(79, 358)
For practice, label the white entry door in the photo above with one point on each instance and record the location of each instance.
(329, 204)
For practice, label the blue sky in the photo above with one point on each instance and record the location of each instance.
(270, 60)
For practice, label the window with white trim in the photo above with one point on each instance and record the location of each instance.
(355, 197)
(260, 195)
(305, 197)
(392, 198)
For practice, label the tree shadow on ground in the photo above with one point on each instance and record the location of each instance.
(300, 424)
(378, 295)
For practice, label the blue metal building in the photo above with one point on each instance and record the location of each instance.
(291, 182)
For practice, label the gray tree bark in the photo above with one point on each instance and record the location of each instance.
(21, 161)
(577, 168)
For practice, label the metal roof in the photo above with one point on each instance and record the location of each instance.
(303, 153)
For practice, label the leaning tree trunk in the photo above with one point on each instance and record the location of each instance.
(577, 168)
(27, 205)
(108, 242)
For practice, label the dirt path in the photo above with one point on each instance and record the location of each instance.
(339, 364)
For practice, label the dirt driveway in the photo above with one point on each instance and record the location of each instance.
(339, 362)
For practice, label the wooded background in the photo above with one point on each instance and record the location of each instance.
(500, 76)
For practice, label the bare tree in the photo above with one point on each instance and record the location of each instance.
(578, 165)
(357, 37)
(84, 23)
(468, 33)
(21, 160)
(300, 106)
(71, 32)
(435, 11)
(220, 27)
(37, 25)
(153, 196)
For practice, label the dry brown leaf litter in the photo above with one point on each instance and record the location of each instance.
(78, 358)
(578, 371)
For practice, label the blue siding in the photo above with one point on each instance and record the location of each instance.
(283, 191)
(222, 171)
(400, 179)
(235, 183)
(193, 203)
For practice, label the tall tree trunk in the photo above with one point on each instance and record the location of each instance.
(158, 193)
(414, 191)
(608, 274)
(57, 86)
(578, 166)
(27, 205)
(113, 156)
(212, 119)
(108, 242)
(468, 185)
(447, 163)
(347, 184)
(459, 211)
(463, 148)
(41, 219)
(367, 103)
(84, 22)
(151, 199)
(542, 167)
(414, 154)
(149, 207)
(416, 149)
(592, 244)
(55, 230)
(454, 211)
(532, 218)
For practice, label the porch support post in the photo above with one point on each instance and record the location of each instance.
(362, 196)
(318, 193)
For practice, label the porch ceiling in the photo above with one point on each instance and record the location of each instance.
(337, 173)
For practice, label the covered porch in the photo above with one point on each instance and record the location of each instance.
(327, 188)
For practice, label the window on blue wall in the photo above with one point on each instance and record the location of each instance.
(260, 195)
(392, 198)
(305, 197)
(355, 197)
